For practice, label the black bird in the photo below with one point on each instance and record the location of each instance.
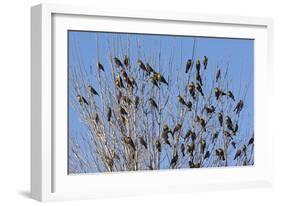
(81, 100)
(235, 129)
(218, 75)
(118, 63)
(100, 66)
(207, 155)
(97, 119)
(128, 140)
(198, 78)
(244, 149)
(215, 136)
(126, 61)
(119, 82)
(210, 110)
(205, 62)
(203, 124)
(137, 101)
(143, 142)
(220, 118)
(230, 95)
(188, 65)
(165, 138)
(191, 148)
(160, 78)
(227, 134)
(238, 154)
(158, 145)
(149, 69)
(174, 160)
(92, 91)
(218, 93)
(109, 114)
(154, 81)
(220, 153)
(233, 144)
(188, 104)
(193, 136)
(251, 141)
(198, 65)
(187, 134)
(191, 89)
(199, 88)
(202, 146)
(239, 107)
(153, 103)
(228, 123)
(176, 128)
(141, 65)
(123, 111)
(166, 128)
(182, 149)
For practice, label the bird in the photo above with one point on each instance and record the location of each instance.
(81, 99)
(235, 129)
(165, 138)
(207, 155)
(215, 136)
(230, 95)
(220, 117)
(154, 81)
(149, 69)
(137, 101)
(228, 123)
(176, 128)
(109, 114)
(189, 105)
(97, 119)
(119, 82)
(188, 65)
(100, 67)
(153, 103)
(205, 62)
(220, 153)
(166, 128)
(174, 160)
(203, 124)
(227, 134)
(160, 79)
(199, 89)
(218, 93)
(218, 75)
(158, 145)
(239, 107)
(198, 65)
(92, 91)
(191, 89)
(143, 142)
(210, 110)
(251, 141)
(181, 100)
(198, 78)
(118, 63)
(233, 144)
(244, 149)
(187, 134)
(182, 149)
(238, 153)
(202, 146)
(123, 111)
(191, 148)
(128, 140)
(141, 65)
(126, 61)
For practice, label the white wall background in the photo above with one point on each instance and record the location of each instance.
(15, 101)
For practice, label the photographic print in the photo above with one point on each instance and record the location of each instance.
(154, 102)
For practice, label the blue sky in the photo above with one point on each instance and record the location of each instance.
(235, 54)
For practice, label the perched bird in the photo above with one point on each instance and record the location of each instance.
(215, 136)
(210, 110)
(220, 153)
(149, 69)
(123, 111)
(205, 62)
(218, 75)
(143, 142)
(100, 67)
(119, 82)
(230, 95)
(188, 65)
(233, 144)
(207, 155)
(119, 96)
(166, 128)
(160, 78)
(182, 149)
(165, 138)
(251, 141)
(220, 118)
(235, 129)
(239, 107)
(126, 61)
(203, 124)
(81, 100)
(97, 119)
(92, 91)
(238, 154)
(244, 149)
(137, 101)
(128, 140)
(191, 164)
(189, 105)
(218, 93)
(181, 100)
(141, 65)
(153, 103)
(158, 145)
(202, 146)
(227, 134)
(191, 89)
(198, 78)
(187, 134)
(198, 65)
(199, 89)
(174, 160)
(154, 81)
(109, 114)
(193, 136)
(191, 148)
(176, 128)
(118, 63)
(228, 123)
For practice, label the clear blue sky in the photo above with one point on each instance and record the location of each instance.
(236, 54)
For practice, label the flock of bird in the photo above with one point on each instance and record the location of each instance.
(195, 89)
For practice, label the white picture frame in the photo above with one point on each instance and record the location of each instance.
(49, 179)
